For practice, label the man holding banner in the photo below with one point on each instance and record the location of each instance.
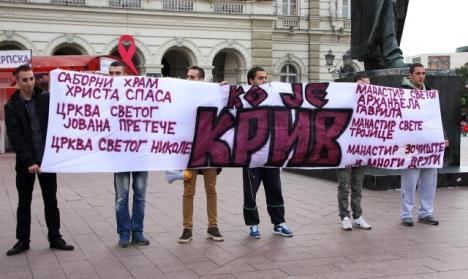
(127, 225)
(26, 118)
(209, 176)
(424, 178)
(252, 178)
(350, 180)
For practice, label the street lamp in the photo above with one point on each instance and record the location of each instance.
(329, 57)
(347, 64)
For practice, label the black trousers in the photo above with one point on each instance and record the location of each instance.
(25, 185)
(274, 197)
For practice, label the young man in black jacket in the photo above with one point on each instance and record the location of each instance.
(26, 117)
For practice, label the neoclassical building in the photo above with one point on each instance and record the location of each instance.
(287, 37)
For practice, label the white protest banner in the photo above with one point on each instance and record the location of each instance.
(14, 58)
(110, 124)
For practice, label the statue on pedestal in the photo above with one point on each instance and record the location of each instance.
(376, 28)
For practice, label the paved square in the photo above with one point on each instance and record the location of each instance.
(319, 248)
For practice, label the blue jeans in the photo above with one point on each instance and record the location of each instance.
(125, 224)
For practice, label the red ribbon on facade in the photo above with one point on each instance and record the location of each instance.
(128, 54)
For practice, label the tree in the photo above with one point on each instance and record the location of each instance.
(462, 72)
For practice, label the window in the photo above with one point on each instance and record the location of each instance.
(288, 74)
(346, 8)
(289, 7)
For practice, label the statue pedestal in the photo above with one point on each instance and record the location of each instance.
(450, 88)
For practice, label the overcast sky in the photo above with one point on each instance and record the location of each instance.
(435, 26)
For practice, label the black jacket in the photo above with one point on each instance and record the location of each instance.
(18, 127)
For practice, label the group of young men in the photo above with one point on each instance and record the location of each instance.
(26, 117)
(252, 178)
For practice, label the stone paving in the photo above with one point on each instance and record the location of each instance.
(319, 248)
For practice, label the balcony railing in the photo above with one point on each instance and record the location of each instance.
(347, 24)
(178, 5)
(289, 22)
(228, 7)
(15, 1)
(135, 4)
(235, 7)
(69, 2)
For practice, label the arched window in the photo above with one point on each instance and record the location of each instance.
(69, 49)
(175, 62)
(137, 59)
(288, 74)
(11, 45)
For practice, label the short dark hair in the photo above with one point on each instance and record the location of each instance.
(360, 76)
(253, 72)
(414, 66)
(117, 64)
(22, 68)
(201, 72)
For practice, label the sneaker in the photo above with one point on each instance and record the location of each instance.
(430, 220)
(407, 221)
(138, 238)
(124, 239)
(361, 224)
(346, 224)
(254, 232)
(186, 236)
(214, 234)
(282, 229)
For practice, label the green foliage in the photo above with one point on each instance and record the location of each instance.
(463, 72)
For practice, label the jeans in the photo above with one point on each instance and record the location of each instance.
(209, 175)
(25, 185)
(125, 223)
(426, 180)
(274, 197)
(350, 180)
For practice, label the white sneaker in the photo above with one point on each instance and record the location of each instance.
(346, 224)
(361, 224)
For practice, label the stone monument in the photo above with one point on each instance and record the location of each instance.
(374, 37)
(376, 29)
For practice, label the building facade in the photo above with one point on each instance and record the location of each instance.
(440, 61)
(287, 37)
